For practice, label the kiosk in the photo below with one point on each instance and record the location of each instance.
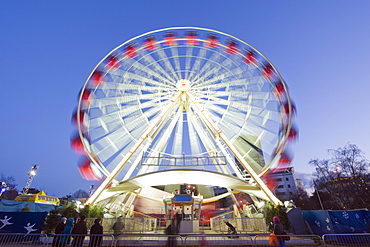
(188, 206)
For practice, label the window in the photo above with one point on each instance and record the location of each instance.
(287, 179)
(281, 186)
(288, 185)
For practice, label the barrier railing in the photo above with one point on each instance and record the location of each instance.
(21, 239)
(242, 225)
(183, 240)
(60, 240)
(136, 224)
(193, 240)
(355, 239)
(295, 240)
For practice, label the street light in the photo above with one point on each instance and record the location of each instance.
(31, 174)
(318, 195)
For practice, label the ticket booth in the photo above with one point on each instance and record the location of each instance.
(186, 205)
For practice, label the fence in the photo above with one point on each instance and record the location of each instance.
(242, 225)
(188, 240)
(131, 225)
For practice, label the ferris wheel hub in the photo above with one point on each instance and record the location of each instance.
(183, 85)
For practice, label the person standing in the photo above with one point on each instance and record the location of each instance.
(278, 229)
(64, 240)
(97, 228)
(118, 227)
(59, 230)
(79, 228)
(172, 229)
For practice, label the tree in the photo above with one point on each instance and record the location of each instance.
(11, 192)
(80, 194)
(344, 178)
(301, 199)
(51, 221)
(278, 211)
(93, 211)
(69, 212)
(96, 212)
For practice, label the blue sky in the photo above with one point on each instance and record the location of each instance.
(48, 48)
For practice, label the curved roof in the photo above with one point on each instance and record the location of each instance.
(189, 176)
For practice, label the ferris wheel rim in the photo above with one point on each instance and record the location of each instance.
(80, 128)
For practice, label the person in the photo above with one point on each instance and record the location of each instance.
(177, 221)
(278, 229)
(171, 230)
(79, 228)
(118, 227)
(231, 230)
(97, 228)
(59, 230)
(64, 240)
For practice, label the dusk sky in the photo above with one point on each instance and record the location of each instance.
(49, 48)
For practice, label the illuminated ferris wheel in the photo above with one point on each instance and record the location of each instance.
(187, 94)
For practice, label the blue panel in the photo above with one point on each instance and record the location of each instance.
(22, 222)
(338, 222)
(349, 221)
(182, 198)
(319, 221)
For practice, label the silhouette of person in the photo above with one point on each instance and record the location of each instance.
(81, 229)
(118, 227)
(97, 228)
(59, 230)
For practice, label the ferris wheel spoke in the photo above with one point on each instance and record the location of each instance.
(167, 65)
(150, 78)
(223, 77)
(196, 146)
(222, 62)
(207, 67)
(177, 146)
(175, 55)
(206, 137)
(160, 144)
(188, 58)
(139, 69)
(196, 65)
(157, 66)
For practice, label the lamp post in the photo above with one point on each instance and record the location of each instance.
(318, 195)
(31, 174)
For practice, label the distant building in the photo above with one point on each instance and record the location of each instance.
(286, 184)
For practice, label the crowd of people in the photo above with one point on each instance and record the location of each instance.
(68, 232)
(75, 232)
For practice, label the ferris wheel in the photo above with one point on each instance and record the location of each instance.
(195, 95)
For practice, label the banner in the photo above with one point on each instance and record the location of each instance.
(22, 222)
(338, 222)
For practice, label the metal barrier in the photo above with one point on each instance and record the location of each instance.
(130, 240)
(59, 240)
(21, 239)
(136, 224)
(242, 225)
(356, 239)
(295, 240)
(193, 240)
(184, 240)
